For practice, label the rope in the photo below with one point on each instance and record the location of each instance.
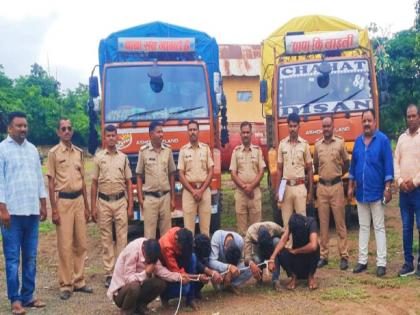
(265, 262)
(196, 278)
(180, 294)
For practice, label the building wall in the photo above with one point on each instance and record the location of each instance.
(238, 111)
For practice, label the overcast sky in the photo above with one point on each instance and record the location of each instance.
(63, 35)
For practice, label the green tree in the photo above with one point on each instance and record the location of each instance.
(403, 80)
(398, 60)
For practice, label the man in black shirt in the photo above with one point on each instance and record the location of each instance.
(300, 261)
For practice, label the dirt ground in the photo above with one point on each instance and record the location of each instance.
(340, 292)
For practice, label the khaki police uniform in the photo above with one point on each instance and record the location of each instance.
(196, 163)
(156, 167)
(65, 166)
(247, 162)
(330, 157)
(112, 170)
(294, 158)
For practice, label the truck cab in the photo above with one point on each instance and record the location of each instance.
(316, 66)
(168, 73)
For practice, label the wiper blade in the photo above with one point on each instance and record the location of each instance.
(351, 95)
(313, 101)
(182, 111)
(142, 114)
(185, 110)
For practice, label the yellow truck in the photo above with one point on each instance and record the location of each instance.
(315, 66)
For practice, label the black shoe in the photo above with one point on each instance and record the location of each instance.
(360, 268)
(108, 281)
(380, 271)
(322, 262)
(344, 264)
(84, 289)
(406, 270)
(65, 295)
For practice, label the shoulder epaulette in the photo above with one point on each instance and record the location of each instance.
(77, 148)
(54, 148)
(144, 147)
(318, 140)
(185, 146)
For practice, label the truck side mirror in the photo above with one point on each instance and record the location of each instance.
(323, 79)
(263, 91)
(93, 87)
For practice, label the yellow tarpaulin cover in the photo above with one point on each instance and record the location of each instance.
(273, 47)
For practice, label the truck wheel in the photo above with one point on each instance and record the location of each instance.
(215, 217)
(277, 218)
(351, 216)
(135, 230)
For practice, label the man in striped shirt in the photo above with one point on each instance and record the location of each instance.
(407, 176)
(22, 206)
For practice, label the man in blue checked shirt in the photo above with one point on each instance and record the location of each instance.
(22, 191)
(371, 174)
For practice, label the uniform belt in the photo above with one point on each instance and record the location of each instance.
(111, 197)
(156, 194)
(195, 185)
(330, 182)
(69, 195)
(295, 182)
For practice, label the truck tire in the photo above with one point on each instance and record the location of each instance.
(135, 230)
(216, 217)
(351, 216)
(277, 218)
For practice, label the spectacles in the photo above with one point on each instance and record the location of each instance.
(66, 128)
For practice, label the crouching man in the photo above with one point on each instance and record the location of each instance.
(260, 241)
(202, 250)
(226, 253)
(300, 261)
(177, 255)
(139, 277)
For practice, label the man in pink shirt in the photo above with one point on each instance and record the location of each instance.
(139, 277)
(407, 175)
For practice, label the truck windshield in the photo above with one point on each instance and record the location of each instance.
(129, 95)
(346, 89)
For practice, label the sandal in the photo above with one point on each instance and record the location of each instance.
(35, 304)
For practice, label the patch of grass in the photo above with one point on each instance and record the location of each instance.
(93, 232)
(392, 283)
(394, 244)
(46, 227)
(93, 270)
(354, 294)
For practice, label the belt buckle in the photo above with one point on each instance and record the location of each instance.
(160, 194)
(292, 182)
